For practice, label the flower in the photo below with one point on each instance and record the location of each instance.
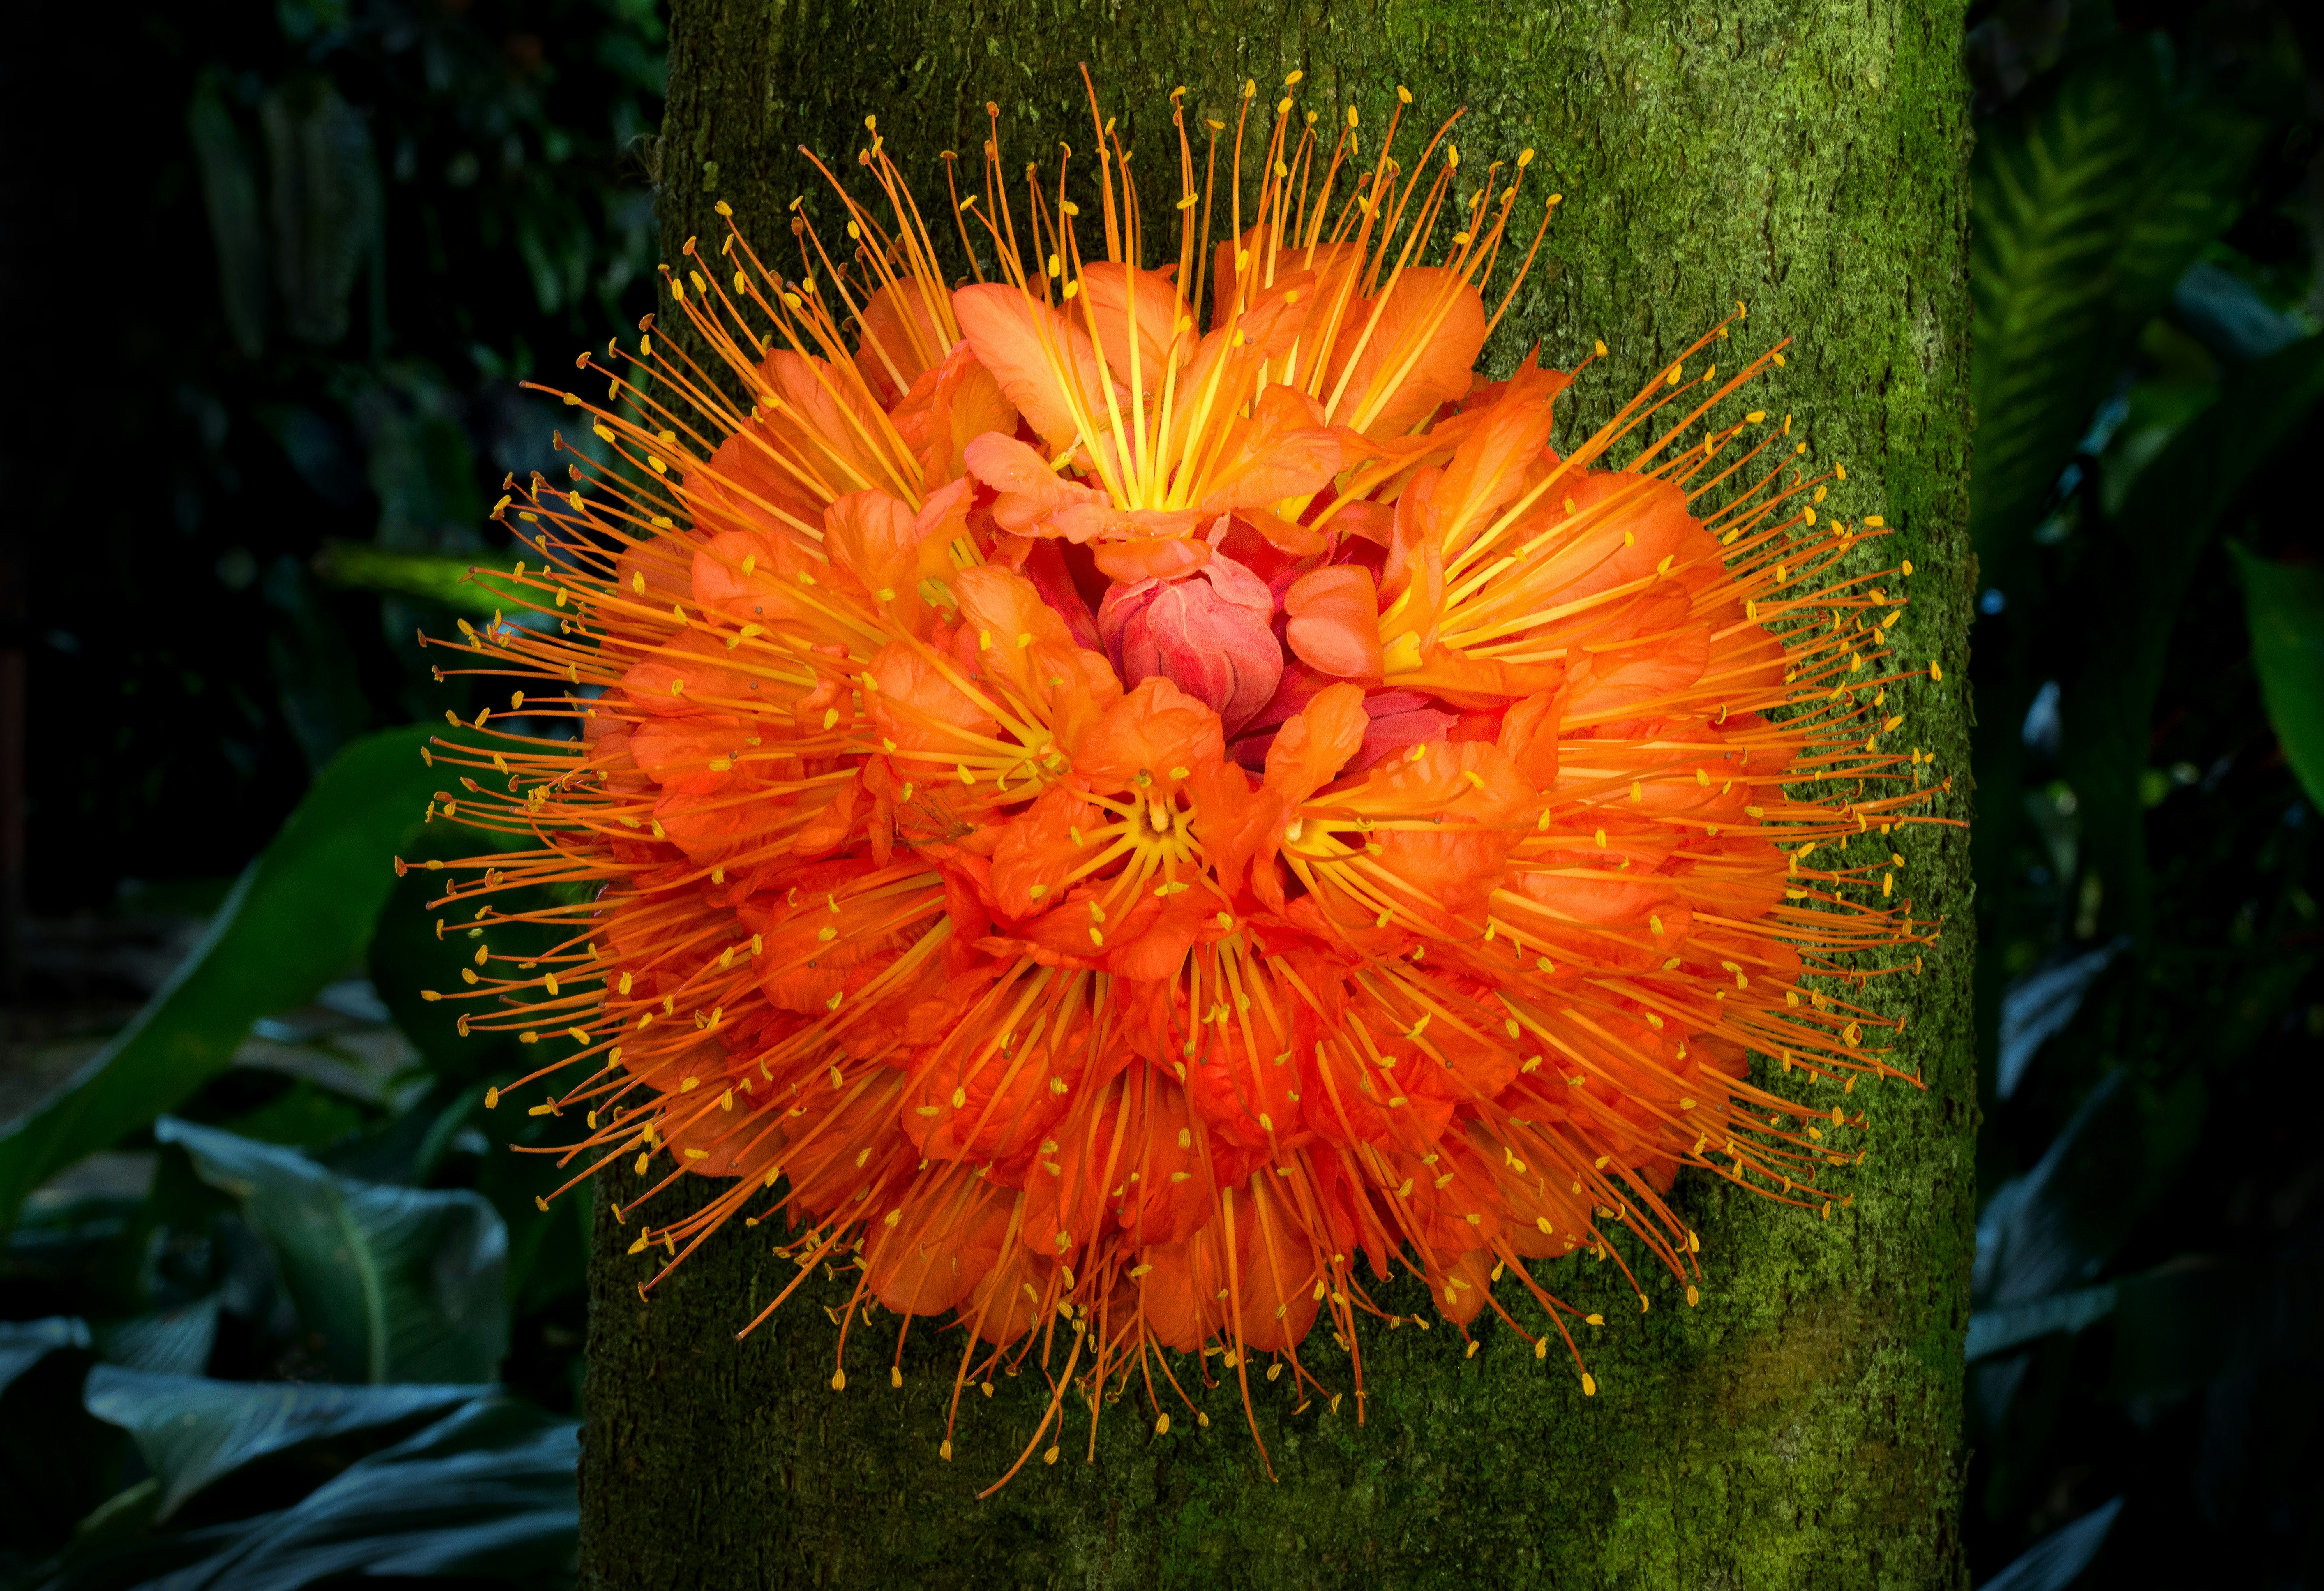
(1397, 869)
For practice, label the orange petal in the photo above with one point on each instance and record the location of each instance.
(1335, 624)
(1283, 449)
(1045, 364)
(1488, 469)
(949, 407)
(1529, 737)
(1482, 802)
(1038, 849)
(870, 535)
(1105, 290)
(1400, 359)
(900, 341)
(1317, 743)
(1156, 730)
(919, 707)
(1152, 557)
(1467, 681)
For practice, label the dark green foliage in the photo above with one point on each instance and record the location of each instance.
(192, 1431)
(300, 914)
(431, 1472)
(296, 1486)
(400, 1284)
(2286, 603)
(288, 299)
(2146, 1345)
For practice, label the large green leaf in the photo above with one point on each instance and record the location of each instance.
(171, 1342)
(2284, 603)
(191, 1430)
(402, 1283)
(1996, 1331)
(486, 1491)
(2054, 1226)
(297, 917)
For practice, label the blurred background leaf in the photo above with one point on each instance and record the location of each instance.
(2145, 1374)
(2285, 605)
(297, 916)
(193, 1431)
(400, 1284)
(353, 231)
(487, 1490)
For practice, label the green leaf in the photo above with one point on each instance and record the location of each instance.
(402, 1283)
(191, 1430)
(2051, 192)
(297, 917)
(2057, 1560)
(2284, 603)
(2054, 1226)
(547, 1251)
(453, 581)
(26, 1343)
(1995, 1331)
(486, 1491)
(2087, 210)
(170, 1342)
(237, 227)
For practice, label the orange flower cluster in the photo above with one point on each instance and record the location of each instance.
(1104, 822)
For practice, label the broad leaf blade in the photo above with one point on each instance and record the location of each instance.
(402, 1283)
(192, 1431)
(2041, 1005)
(2059, 1223)
(168, 1342)
(26, 1343)
(488, 1490)
(299, 915)
(2057, 1558)
(2285, 603)
(1995, 1331)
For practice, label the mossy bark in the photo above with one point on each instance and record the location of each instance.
(1800, 1428)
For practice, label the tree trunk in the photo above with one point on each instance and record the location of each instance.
(1802, 1427)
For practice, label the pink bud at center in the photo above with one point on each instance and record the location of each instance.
(1207, 633)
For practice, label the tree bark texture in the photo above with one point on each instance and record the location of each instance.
(1800, 1428)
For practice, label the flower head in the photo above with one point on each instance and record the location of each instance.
(1394, 869)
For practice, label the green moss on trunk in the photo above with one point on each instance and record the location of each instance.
(1799, 1429)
